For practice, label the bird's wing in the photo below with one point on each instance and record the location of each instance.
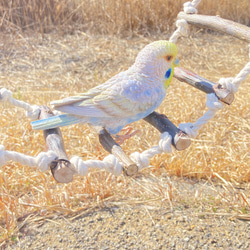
(83, 96)
(119, 97)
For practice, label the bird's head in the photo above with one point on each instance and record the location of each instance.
(158, 59)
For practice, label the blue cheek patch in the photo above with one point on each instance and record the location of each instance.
(168, 73)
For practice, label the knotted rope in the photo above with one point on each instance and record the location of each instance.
(42, 161)
(182, 25)
(32, 111)
(109, 163)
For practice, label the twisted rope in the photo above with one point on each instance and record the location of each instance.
(110, 163)
(42, 161)
(190, 7)
(233, 84)
(213, 105)
(32, 111)
(182, 25)
(164, 146)
(182, 30)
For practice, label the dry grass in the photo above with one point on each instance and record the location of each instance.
(109, 16)
(39, 69)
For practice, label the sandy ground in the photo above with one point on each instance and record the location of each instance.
(156, 224)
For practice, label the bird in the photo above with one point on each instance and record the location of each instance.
(127, 97)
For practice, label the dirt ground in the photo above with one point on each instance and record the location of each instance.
(156, 224)
(140, 227)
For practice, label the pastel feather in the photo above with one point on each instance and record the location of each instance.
(127, 97)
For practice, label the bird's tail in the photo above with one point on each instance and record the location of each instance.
(56, 121)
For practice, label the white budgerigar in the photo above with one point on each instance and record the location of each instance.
(127, 97)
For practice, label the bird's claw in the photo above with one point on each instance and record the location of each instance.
(121, 138)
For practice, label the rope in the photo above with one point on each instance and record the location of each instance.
(109, 163)
(182, 30)
(42, 161)
(32, 111)
(190, 7)
(233, 84)
(213, 105)
(182, 25)
(164, 146)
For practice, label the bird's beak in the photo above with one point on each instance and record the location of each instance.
(176, 62)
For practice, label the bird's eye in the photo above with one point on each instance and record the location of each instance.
(169, 58)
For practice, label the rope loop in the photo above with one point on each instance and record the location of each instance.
(227, 83)
(79, 165)
(189, 8)
(165, 143)
(213, 102)
(182, 25)
(33, 113)
(140, 159)
(113, 165)
(5, 95)
(189, 129)
(44, 159)
(182, 30)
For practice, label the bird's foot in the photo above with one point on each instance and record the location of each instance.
(122, 138)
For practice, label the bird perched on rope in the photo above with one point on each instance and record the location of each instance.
(125, 98)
